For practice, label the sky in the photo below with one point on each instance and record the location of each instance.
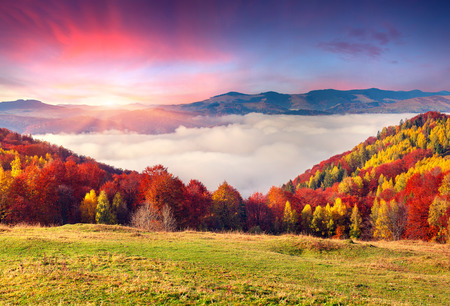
(109, 52)
(251, 152)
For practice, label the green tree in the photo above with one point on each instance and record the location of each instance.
(103, 210)
(289, 187)
(318, 222)
(119, 210)
(329, 221)
(356, 221)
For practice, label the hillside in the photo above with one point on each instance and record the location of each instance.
(393, 186)
(399, 181)
(98, 264)
(44, 183)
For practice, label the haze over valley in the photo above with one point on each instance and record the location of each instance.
(251, 152)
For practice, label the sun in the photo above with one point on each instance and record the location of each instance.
(111, 102)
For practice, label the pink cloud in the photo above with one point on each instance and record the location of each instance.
(58, 31)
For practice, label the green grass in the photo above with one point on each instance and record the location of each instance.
(93, 264)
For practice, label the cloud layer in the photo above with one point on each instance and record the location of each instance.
(252, 152)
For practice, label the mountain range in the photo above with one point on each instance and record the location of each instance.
(36, 117)
(327, 101)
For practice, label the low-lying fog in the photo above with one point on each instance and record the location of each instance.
(252, 152)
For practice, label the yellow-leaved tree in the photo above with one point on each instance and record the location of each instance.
(88, 207)
(438, 217)
(339, 217)
(290, 218)
(307, 216)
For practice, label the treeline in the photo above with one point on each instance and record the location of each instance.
(393, 186)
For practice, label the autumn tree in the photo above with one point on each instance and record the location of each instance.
(290, 219)
(88, 207)
(196, 205)
(259, 215)
(91, 174)
(277, 198)
(5, 183)
(389, 220)
(161, 188)
(307, 216)
(226, 208)
(16, 166)
(438, 217)
(422, 190)
(339, 218)
(381, 222)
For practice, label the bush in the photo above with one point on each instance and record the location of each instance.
(147, 217)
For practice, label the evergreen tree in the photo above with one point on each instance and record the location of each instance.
(289, 187)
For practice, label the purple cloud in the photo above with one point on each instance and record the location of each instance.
(361, 41)
(381, 37)
(350, 48)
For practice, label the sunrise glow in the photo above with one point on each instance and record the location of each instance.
(163, 52)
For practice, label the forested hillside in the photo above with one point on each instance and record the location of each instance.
(393, 186)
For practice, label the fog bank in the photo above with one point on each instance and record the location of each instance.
(252, 152)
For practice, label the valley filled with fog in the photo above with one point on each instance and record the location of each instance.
(251, 152)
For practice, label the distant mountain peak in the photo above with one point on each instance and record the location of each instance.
(231, 93)
(21, 104)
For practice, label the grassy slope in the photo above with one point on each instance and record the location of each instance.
(96, 264)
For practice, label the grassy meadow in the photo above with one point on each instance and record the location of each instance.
(97, 264)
